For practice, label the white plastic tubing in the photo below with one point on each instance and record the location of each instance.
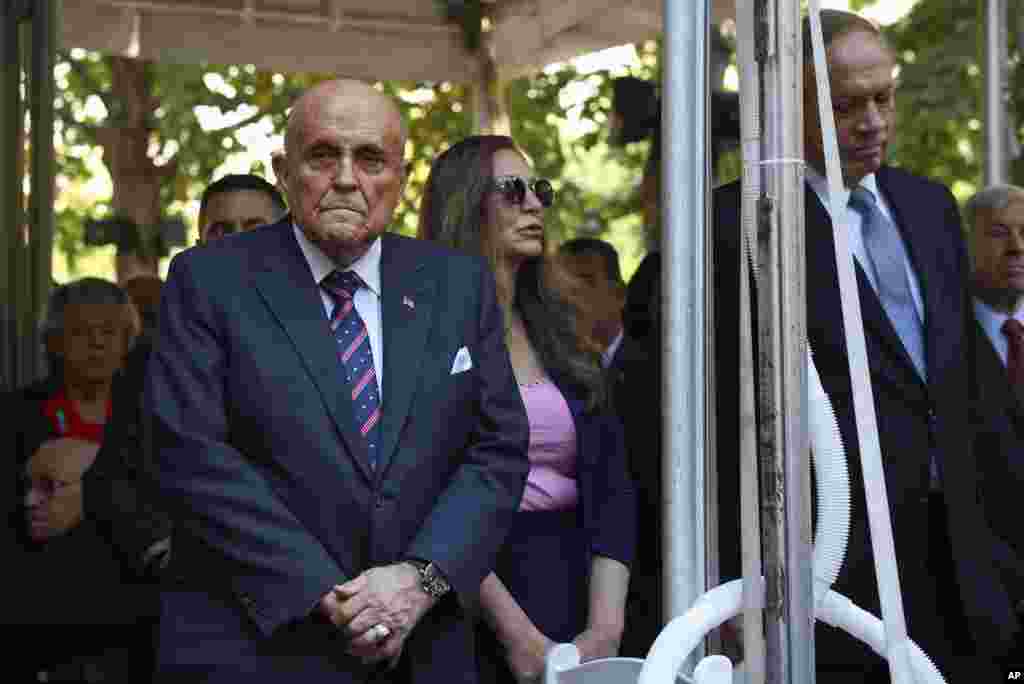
(833, 497)
(722, 603)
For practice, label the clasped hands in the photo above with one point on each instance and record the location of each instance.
(377, 611)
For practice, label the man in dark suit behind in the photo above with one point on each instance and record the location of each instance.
(996, 238)
(336, 418)
(957, 591)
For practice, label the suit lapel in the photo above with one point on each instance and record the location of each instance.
(821, 253)
(408, 291)
(993, 380)
(286, 285)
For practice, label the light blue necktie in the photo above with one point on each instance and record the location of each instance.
(888, 257)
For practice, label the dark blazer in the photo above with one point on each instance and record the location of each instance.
(119, 494)
(999, 440)
(275, 500)
(994, 385)
(102, 622)
(546, 560)
(608, 502)
(915, 419)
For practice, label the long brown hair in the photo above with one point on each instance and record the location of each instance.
(453, 212)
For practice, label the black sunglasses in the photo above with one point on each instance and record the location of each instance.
(513, 189)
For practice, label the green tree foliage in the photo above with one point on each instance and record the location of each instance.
(85, 80)
(91, 106)
(940, 106)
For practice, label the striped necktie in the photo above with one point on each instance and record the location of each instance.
(356, 356)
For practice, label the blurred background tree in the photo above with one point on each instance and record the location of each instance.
(940, 106)
(141, 140)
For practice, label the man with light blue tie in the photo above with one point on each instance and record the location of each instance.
(959, 582)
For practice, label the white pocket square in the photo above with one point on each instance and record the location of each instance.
(463, 362)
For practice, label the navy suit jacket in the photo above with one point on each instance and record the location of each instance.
(999, 440)
(608, 503)
(267, 476)
(914, 418)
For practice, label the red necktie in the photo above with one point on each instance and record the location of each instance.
(1014, 331)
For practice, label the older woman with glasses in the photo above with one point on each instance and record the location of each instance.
(564, 568)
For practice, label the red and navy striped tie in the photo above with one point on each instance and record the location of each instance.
(356, 356)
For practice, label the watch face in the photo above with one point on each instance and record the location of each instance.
(433, 583)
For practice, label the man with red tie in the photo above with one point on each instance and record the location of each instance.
(997, 259)
(996, 239)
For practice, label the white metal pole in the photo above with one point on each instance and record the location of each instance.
(785, 467)
(684, 183)
(786, 111)
(996, 56)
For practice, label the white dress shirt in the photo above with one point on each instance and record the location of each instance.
(855, 222)
(366, 300)
(992, 323)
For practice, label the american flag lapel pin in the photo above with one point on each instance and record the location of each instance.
(408, 302)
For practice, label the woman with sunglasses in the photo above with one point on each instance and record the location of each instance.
(563, 571)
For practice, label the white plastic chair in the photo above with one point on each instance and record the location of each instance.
(564, 667)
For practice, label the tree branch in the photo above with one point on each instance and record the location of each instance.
(244, 122)
(90, 83)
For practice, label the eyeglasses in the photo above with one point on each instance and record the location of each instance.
(513, 189)
(46, 487)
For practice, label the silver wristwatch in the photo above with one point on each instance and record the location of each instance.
(431, 579)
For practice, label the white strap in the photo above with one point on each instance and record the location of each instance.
(879, 521)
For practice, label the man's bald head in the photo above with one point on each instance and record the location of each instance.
(65, 458)
(337, 87)
(53, 486)
(861, 78)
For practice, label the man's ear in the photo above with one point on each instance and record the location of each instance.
(54, 343)
(278, 162)
(620, 293)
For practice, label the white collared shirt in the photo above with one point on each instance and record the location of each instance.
(366, 300)
(855, 221)
(992, 323)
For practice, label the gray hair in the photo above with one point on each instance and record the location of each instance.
(82, 291)
(992, 198)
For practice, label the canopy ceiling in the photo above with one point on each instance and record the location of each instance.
(376, 39)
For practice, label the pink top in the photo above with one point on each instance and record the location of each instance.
(551, 482)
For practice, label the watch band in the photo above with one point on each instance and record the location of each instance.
(431, 579)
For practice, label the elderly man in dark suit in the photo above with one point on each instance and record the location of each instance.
(996, 240)
(337, 422)
(958, 584)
